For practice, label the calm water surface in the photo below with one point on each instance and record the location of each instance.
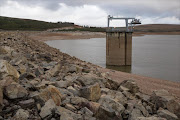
(156, 56)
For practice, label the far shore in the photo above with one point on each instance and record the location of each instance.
(47, 36)
(147, 84)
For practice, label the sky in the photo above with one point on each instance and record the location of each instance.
(93, 12)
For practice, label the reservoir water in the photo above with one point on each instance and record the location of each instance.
(156, 56)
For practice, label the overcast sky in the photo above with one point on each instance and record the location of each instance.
(93, 12)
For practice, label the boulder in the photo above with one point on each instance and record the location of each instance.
(131, 85)
(51, 92)
(160, 98)
(90, 79)
(68, 115)
(109, 108)
(54, 71)
(1, 98)
(77, 100)
(27, 76)
(135, 114)
(116, 95)
(48, 109)
(27, 103)
(112, 84)
(5, 50)
(7, 70)
(21, 114)
(151, 118)
(174, 107)
(92, 92)
(15, 90)
(93, 106)
(166, 114)
(62, 84)
(142, 109)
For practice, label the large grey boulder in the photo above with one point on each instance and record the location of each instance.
(67, 114)
(21, 114)
(51, 92)
(160, 98)
(8, 70)
(135, 114)
(90, 79)
(15, 90)
(130, 86)
(48, 109)
(166, 114)
(109, 108)
(92, 92)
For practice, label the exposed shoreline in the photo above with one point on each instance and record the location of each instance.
(47, 36)
(147, 84)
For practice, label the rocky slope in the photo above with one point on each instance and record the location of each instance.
(39, 82)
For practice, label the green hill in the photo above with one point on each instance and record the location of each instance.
(7, 23)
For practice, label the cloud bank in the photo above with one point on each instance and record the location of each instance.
(93, 12)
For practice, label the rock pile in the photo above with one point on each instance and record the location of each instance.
(39, 82)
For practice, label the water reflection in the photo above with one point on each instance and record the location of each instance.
(120, 68)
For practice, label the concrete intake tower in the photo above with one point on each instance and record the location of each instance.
(119, 43)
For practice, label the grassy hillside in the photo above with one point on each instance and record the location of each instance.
(7, 23)
(158, 28)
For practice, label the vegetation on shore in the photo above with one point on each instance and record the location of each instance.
(7, 23)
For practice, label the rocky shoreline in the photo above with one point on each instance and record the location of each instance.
(39, 82)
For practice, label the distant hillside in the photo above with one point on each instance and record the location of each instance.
(158, 28)
(7, 23)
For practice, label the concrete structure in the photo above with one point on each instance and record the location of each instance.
(119, 43)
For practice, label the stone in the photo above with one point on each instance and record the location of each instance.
(104, 113)
(54, 71)
(85, 111)
(70, 107)
(73, 90)
(43, 84)
(117, 96)
(110, 107)
(62, 84)
(174, 107)
(48, 109)
(151, 118)
(15, 90)
(93, 106)
(112, 84)
(90, 79)
(27, 103)
(6, 50)
(21, 114)
(68, 115)
(166, 114)
(142, 109)
(160, 98)
(1, 98)
(131, 85)
(135, 114)
(39, 71)
(77, 100)
(51, 92)
(92, 92)
(8, 70)
(27, 76)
